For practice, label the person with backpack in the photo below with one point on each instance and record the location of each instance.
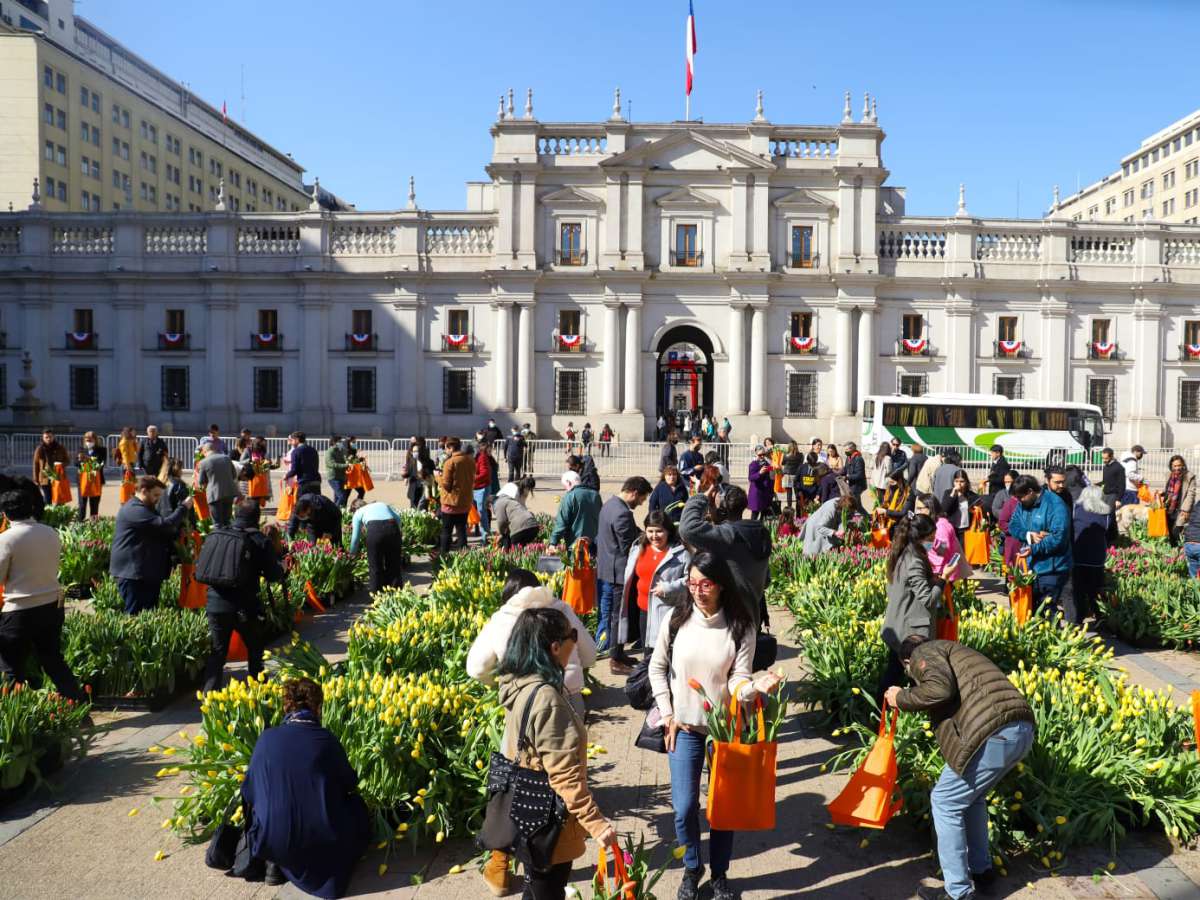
(708, 641)
(319, 517)
(231, 562)
(379, 527)
(141, 545)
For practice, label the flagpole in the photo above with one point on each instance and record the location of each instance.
(687, 107)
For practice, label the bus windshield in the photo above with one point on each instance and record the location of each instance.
(1088, 429)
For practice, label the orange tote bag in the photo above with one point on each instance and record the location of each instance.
(880, 539)
(1020, 598)
(287, 501)
(60, 488)
(866, 800)
(1156, 522)
(947, 626)
(741, 779)
(579, 585)
(89, 484)
(976, 545)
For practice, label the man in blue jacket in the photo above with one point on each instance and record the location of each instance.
(1043, 526)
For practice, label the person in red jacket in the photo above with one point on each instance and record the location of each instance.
(483, 486)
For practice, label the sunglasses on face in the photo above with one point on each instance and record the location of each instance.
(701, 584)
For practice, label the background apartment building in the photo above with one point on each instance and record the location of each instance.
(102, 129)
(1160, 181)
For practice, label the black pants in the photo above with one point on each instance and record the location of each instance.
(617, 648)
(39, 630)
(548, 885)
(514, 471)
(457, 523)
(893, 674)
(221, 512)
(221, 626)
(416, 490)
(1086, 584)
(87, 504)
(385, 547)
(604, 448)
(637, 622)
(138, 595)
(48, 494)
(521, 538)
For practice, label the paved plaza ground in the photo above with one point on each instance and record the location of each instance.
(75, 837)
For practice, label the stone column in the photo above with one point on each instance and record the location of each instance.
(502, 358)
(217, 385)
(960, 352)
(409, 365)
(843, 404)
(1055, 351)
(1145, 411)
(612, 341)
(866, 353)
(737, 360)
(525, 392)
(633, 359)
(758, 360)
(127, 337)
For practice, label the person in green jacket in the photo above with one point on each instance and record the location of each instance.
(335, 469)
(578, 513)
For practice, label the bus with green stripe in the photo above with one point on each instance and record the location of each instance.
(1031, 432)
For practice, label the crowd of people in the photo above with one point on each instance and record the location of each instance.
(680, 599)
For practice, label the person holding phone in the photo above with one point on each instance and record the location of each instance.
(762, 483)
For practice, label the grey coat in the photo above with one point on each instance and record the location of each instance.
(943, 479)
(913, 600)
(614, 538)
(217, 474)
(819, 528)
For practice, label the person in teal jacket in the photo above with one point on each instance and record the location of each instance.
(578, 513)
(1043, 526)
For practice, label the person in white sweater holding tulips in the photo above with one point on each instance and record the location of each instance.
(704, 655)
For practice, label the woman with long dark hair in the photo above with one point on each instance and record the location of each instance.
(531, 676)
(417, 470)
(655, 580)
(958, 502)
(914, 592)
(945, 551)
(709, 642)
(883, 468)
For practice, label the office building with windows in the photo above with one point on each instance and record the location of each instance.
(102, 129)
(605, 271)
(1159, 181)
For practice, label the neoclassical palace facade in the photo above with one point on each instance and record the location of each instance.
(606, 272)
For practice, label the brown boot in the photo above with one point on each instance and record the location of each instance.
(495, 874)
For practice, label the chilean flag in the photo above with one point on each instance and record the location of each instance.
(691, 47)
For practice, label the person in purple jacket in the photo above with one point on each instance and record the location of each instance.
(762, 484)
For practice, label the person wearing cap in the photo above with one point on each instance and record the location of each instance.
(578, 513)
(238, 608)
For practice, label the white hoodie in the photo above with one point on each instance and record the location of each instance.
(489, 646)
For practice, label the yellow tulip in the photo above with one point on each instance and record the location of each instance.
(159, 856)
(382, 869)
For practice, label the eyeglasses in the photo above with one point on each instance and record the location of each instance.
(701, 584)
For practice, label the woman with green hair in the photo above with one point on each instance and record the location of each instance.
(554, 740)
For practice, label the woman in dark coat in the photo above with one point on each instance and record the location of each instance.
(303, 811)
(957, 503)
(669, 495)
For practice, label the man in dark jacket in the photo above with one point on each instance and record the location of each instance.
(306, 465)
(913, 467)
(1000, 467)
(899, 457)
(493, 435)
(1113, 478)
(669, 456)
(319, 517)
(141, 545)
(984, 727)
(615, 537)
(691, 463)
(239, 608)
(152, 453)
(514, 452)
(855, 470)
(743, 543)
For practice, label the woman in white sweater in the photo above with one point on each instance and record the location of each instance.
(711, 641)
(523, 591)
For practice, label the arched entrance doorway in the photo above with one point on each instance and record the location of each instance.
(684, 379)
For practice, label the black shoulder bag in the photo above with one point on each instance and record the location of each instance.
(524, 816)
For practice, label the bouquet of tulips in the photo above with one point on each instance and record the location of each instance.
(723, 726)
(88, 465)
(641, 876)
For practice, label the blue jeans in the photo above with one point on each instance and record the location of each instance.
(605, 597)
(138, 595)
(1192, 552)
(481, 498)
(339, 492)
(686, 762)
(960, 806)
(1049, 585)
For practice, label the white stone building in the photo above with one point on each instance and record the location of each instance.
(605, 270)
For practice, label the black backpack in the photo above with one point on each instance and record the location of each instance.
(223, 558)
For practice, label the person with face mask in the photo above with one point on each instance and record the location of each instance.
(914, 593)
(93, 450)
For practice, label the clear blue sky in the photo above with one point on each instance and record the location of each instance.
(994, 95)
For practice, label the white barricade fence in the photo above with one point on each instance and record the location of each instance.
(622, 459)
(21, 447)
(377, 453)
(180, 447)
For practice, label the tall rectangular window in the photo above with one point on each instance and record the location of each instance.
(687, 245)
(361, 321)
(569, 321)
(268, 389)
(1009, 386)
(802, 395)
(1189, 400)
(82, 321)
(570, 237)
(176, 321)
(85, 387)
(1191, 332)
(913, 326)
(912, 385)
(802, 324)
(360, 390)
(1100, 331)
(802, 255)
(268, 321)
(459, 321)
(1006, 328)
(458, 394)
(570, 392)
(1102, 392)
(175, 389)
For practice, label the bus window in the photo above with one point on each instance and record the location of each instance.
(868, 410)
(1055, 419)
(1018, 417)
(890, 411)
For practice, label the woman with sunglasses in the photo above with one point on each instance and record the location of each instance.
(555, 738)
(709, 641)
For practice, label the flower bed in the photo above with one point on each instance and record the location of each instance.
(1149, 600)
(330, 570)
(85, 554)
(419, 529)
(38, 731)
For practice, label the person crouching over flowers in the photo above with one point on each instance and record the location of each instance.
(709, 641)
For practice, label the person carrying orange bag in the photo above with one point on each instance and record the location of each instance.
(1020, 595)
(128, 486)
(60, 488)
(984, 727)
(741, 778)
(866, 800)
(976, 543)
(702, 659)
(579, 585)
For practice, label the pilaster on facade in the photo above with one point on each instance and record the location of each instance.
(1147, 424)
